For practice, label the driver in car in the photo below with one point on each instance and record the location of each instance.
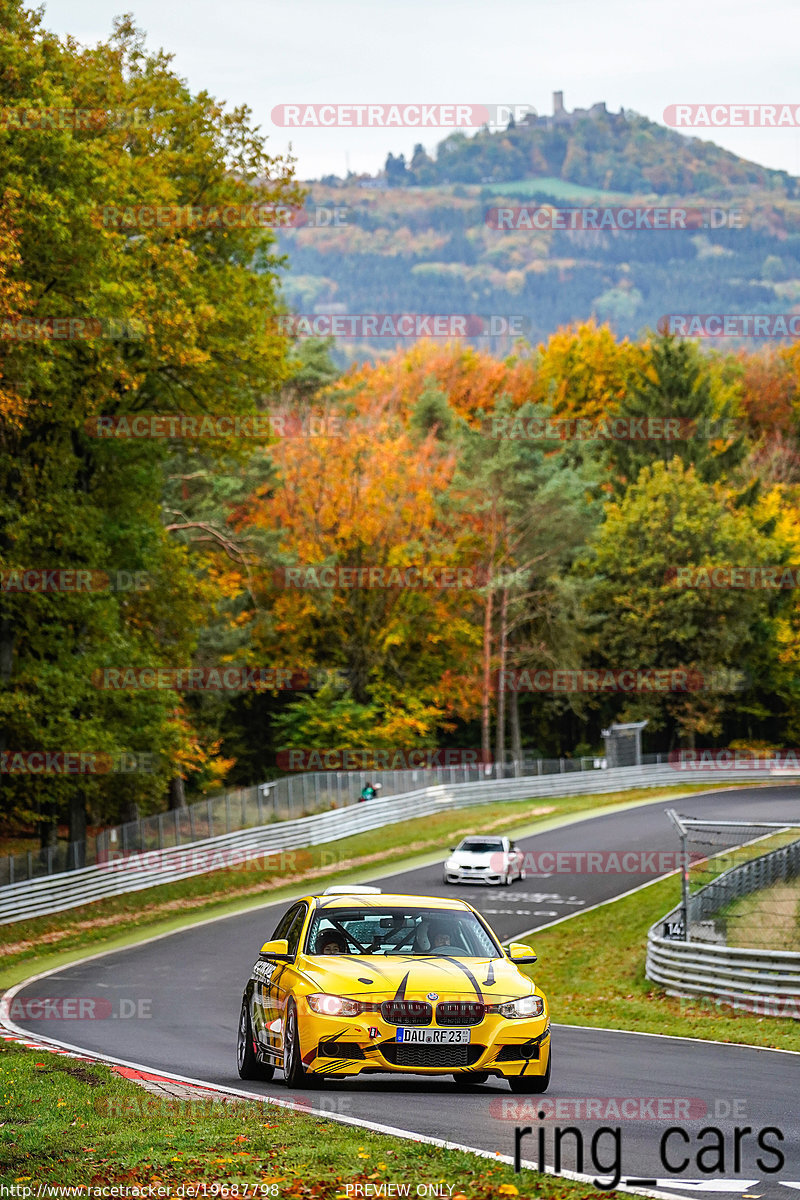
(438, 936)
(331, 942)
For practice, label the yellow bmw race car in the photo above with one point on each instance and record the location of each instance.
(355, 982)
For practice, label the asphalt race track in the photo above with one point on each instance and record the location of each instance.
(186, 988)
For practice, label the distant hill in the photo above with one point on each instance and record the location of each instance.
(618, 152)
(417, 238)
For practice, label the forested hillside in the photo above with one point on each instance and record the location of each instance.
(424, 236)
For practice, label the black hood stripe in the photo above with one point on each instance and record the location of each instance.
(401, 991)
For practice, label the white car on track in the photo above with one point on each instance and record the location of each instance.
(485, 860)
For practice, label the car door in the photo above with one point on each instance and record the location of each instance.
(270, 989)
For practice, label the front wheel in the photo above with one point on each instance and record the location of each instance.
(246, 1057)
(531, 1085)
(293, 1070)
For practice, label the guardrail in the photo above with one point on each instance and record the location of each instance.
(281, 799)
(763, 981)
(138, 870)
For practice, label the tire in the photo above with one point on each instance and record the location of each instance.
(472, 1077)
(294, 1072)
(246, 1058)
(531, 1085)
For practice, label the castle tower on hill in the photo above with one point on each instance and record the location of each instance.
(562, 117)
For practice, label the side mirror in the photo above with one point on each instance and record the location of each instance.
(518, 952)
(276, 949)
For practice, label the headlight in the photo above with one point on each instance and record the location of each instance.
(333, 1006)
(526, 1006)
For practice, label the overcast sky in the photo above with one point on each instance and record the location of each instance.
(635, 54)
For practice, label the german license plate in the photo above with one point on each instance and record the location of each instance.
(439, 1037)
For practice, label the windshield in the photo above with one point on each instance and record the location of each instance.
(481, 845)
(430, 931)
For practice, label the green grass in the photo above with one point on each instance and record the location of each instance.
(42, 942)
(63, 1123)
(765, 920)
(592, 971)
(559, 189)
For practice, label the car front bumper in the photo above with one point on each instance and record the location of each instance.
(474, 875)
(355, 1046)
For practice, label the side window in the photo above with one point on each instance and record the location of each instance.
(293, 936)
(283, 926)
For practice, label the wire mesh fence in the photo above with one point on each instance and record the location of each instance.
(741, 884)
(281, 799)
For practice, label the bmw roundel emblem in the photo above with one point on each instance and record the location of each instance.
(433, 995)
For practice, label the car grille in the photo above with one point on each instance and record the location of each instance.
(458, 1012)
(527, 1051)
(417, 1054)
(406, 1012)
(339, 1050)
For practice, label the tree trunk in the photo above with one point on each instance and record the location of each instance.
(177, 793)
(486, 698)
(487, 678)
(6, 659)
(77, 831)
(48, 829)
(6, 648)
(516, 733)
(500, 739)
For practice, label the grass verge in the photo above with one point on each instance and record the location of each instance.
(592, 970)
(767, 920)
(41, 942)
(68, 1123)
